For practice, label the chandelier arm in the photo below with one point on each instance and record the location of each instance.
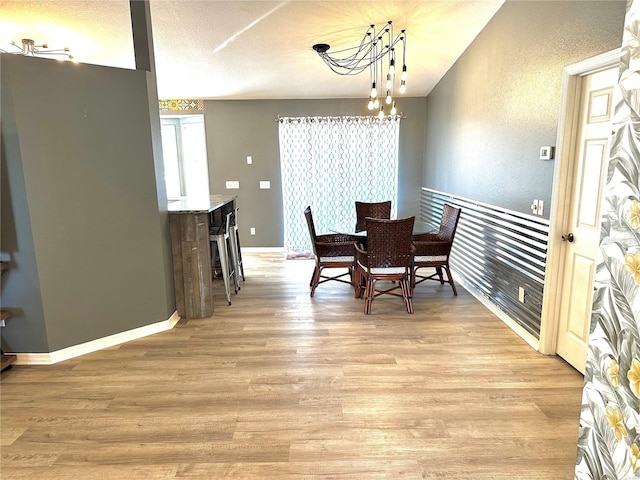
(404, 49)
(362, 51)
(370, 54)
(347, 73)
(352, 61)
(60, 51)
(341, 70)
(354, 67)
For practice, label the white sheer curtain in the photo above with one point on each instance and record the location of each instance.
(329, 163)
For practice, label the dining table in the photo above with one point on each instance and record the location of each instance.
(349, 228)
(419, 228)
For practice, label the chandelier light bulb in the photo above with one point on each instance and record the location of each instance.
(393, 109)
(376, 103)
(388, 99)
(381, 113)
(403, 76)
(392, 67)
(388, 85)
(370, 105)
(403, 86)
(374, 92)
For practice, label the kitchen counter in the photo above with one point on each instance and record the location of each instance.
(200, 204)
(190, 220)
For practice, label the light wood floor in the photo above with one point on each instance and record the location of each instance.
(282, 386)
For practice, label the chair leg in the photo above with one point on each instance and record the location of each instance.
(234, 262)
(357, 283)
(240, 264)
(231, 263)
(405, 284)
(222, 254)
(439, 270)
(313, 276)
(453, 286)
(368, 295)
(315, 280)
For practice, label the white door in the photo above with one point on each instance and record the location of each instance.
(581, 240)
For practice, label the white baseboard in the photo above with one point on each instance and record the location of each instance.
(95, 345)
(264, 249)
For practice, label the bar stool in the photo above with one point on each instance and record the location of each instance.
(220, 248)
(235, 233)
(231, 248)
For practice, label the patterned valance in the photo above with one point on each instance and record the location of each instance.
(181, 105)
(365, 120)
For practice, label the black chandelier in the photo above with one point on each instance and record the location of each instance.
(30, 49)
(376, 51)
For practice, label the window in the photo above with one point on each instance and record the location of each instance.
(185, 156)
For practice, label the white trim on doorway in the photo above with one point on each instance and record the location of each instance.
(560, 197)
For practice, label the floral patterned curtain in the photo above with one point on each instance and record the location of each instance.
(609, 443)
(329, 163)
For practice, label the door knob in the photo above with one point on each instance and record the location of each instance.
(568, 238)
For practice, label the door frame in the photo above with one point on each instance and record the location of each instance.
(563, 174)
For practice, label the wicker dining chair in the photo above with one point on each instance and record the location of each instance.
(330, 251)
(432, 250)
(388, 257)
(371, 210)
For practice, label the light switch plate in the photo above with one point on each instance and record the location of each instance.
(265, 184)
(249, 159)
(232, 184)
(540, 207)
(546, 153)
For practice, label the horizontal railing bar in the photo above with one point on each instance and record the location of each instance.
(484, 205)
(497, 251)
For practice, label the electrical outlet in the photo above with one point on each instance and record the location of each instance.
(521, 294)
(534, 207)
(232, 184)
(265, 184)
(249, 159)
(252, 231)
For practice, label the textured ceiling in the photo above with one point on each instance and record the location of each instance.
(251, 49)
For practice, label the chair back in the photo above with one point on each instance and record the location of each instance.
(229, 222)
(389, 242)
(312, 228)
(449, 222)
(235, 216)
(365, 210)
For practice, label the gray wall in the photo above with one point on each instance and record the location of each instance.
(237, 128)
(80, 219)
(495, 108)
